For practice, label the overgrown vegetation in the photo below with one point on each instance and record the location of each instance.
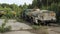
(14, 11)
(3, 28)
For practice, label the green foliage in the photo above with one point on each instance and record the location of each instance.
(44, 8)
(1, 8)
(36, 27)
(13, 7)
(9, 15)
(7, 9)
(34, 3)
(25, 6)
(53, 5)
(3, 28)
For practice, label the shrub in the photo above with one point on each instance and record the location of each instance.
(3, 28)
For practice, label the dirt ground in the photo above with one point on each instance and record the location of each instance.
(24, 28)
(54, 29)
(21, 28)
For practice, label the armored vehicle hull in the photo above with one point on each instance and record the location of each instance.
(39, 16)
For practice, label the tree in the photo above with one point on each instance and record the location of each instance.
(34, 3)
(1, 8)
(30, 6)
(5, 5)
(14, 7)
(7, 9)
(25, 6)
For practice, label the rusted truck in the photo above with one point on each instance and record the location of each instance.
(38, 16)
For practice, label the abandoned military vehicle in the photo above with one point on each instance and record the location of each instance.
(38, 16)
